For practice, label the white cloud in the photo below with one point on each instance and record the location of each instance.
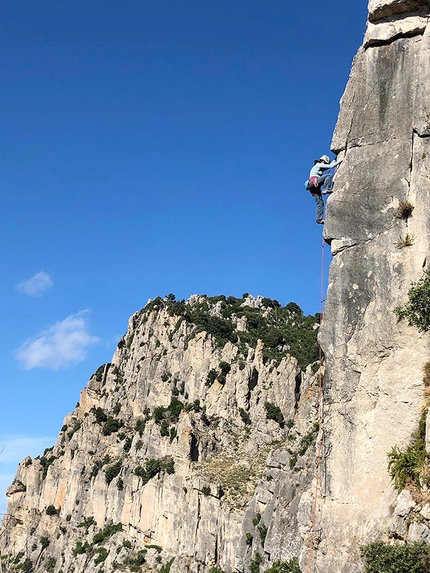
(36, 285)
(59, 346)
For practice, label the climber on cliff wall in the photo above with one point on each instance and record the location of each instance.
(321, 183)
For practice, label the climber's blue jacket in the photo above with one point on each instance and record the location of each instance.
(318, 169)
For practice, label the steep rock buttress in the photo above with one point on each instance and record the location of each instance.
(374, 380)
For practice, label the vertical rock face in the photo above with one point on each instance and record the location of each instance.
(374, 380)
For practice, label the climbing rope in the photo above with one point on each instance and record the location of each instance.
(320, 425)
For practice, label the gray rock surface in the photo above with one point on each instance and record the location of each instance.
(374, 382)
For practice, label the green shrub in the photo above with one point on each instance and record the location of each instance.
(262, 530)
(99, 373)
(285, 567)
(256, 519)
(170, 413)
(211, 377)
(293, 461)
(112, 471)
(166, 567)
(405, 467)
(76, 426)
(135, 563)
(274, 413)
(127, 444)
(80, 548)
(196, 406)
(18, 557)
(173, 434)
(225, 369)
(27, 566)
(383, 558)
(107, 531)
(155, 466)
(206, 490)
(254, 566)
(140, 426)
(249, 538)
(87, 522)
(45, 462)
(216, 570)
(102, 554)
(44, 541)
(112, 425)
(245, 417)
(308, 439)
(417, 309)
(158, 414)
(50, 564)
(51, 510)
(99, 414)
(120, 484)
(98, 464)
(164, 428)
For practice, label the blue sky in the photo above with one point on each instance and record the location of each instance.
(151, 147)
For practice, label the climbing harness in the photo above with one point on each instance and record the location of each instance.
(311, 183)
(320, 425)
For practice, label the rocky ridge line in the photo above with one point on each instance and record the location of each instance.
(187, 453)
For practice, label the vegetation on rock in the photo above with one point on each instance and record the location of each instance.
(274, 413)
(153, 467)
(383, 558)
(417, 309)
(281, 328)
(410, 466)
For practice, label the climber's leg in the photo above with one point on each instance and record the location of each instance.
(326, 183)
(320, 206)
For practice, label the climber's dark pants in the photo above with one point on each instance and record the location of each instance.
(316, 194)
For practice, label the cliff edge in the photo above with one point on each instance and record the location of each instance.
(374, 381)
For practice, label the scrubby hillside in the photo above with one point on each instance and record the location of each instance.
(191, 451)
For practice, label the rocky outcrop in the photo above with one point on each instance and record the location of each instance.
(374, 382)
(194, 450)
(379, 9)
(188, 451)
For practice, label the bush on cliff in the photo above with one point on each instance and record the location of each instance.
(407, 466)
(285, 567)
(417, 309)
(383, 558)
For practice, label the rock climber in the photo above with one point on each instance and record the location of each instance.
(320, 183)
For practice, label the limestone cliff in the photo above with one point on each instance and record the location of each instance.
(374, 381)
(194, 450)
(190, 451)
